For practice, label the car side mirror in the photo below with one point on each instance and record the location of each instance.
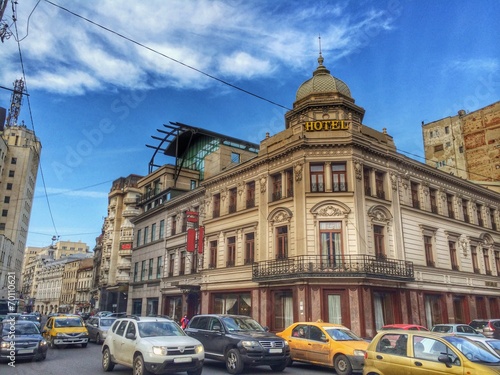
(266, 328)
(130, 336)
(445, 359)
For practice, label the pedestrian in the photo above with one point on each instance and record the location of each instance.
(184, 322)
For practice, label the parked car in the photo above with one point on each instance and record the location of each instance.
(23, 338)
(239, 341)
(419, 352)
(488, 327)
(149, 344)
(103, 313)
(493, 345)
(403, 326)
(456, 329)
(116, 315)
(85, 315)
(30, 317)
(65, 330)
(98, 328)
(326, 344)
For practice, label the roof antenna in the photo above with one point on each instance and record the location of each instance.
(320, 58)
(319, 41)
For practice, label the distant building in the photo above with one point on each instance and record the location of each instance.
(19, 159)
(466, 145)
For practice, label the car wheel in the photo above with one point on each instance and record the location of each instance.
(107, 363)
(97, 339)
(280, 367)
(195, 372)
(234, 364)
(51, 343)
(41, 357)
(139, 366)
(342, 365)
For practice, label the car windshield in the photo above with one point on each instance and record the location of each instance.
(106, 322)
(68, 322)
(473, 352)
(342, 334)
(20, 329)
(442, 329)
(241, 324)
(153, 329)
(28, 317)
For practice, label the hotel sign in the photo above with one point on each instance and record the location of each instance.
(312, 126)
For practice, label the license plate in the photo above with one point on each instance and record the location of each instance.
(182, 359)
(275, 350)
(25, 351)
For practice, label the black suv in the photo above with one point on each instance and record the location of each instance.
(239, 341)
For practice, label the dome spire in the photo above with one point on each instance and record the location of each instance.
(320, 58)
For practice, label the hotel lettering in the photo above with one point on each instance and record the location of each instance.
(311, 126)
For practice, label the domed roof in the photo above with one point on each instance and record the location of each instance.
(322, 81)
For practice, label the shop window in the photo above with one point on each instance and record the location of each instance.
(434, 309)
(459, 309)
(283, 309)
(137, 306)
(152, 306)
(232, 303)
(384, 306)
(334, 308)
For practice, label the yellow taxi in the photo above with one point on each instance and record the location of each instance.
(419, 353)
(62, 330)
(326, 344)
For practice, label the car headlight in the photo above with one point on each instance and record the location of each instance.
(359, 352)
(249, 344)
(160, 350)
(43, 343)
(4, 344)
(198, 349)
(286, 343)
(60, 334)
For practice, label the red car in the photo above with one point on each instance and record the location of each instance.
(412, 327)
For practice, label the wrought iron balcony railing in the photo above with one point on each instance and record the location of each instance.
(318, 266)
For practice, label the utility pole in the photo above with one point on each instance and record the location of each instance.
(4, 26)
(15, 103)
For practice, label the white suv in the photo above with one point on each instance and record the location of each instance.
(151, 345)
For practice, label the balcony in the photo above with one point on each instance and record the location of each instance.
(318, 266)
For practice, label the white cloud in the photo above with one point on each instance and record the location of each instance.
(474, 65)
(77, 193)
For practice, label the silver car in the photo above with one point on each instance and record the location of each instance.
(98, 328)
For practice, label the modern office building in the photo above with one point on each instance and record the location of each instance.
(467, 145)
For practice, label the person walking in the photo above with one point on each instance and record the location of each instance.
(184, 322)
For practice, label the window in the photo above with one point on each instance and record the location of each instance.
(414, 195)
(453, 255)
(231, 252)
(276, 192)
(438, 148)
(367, 181)
(193, 184)
(282, 242)
(492, 219)
(184, 221)
(9, 186)
(379, 184)
(447, 130)
(232, 200)
(251, 194)
(12, 173)
(283, 309)
(479, 210)
(433, 199)
(378, 234)
(6, 199)
(475, 262)
(159, 267)
(235, 158)
(449, 205)
(486, 258)
(216, 210)
(5, 212)
(162, 229)
(461, 149)
(289, 183)
(497, 262)
(330, 234)
(173, 225)
(317, 174)
(150, 270)
(143, 270)
(465, 211)
(153, 232)
(429, 257)
(136, 271)
(232, 303)
(249, 248)
(137, 306)
(182, 269)
(146, 234)
(339, 177)
(384, 307)
(213, 254)
(13, 161)
(138, 242)
(171, 264)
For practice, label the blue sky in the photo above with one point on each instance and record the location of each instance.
(97, 98)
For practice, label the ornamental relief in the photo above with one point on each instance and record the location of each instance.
(330, 211)
(358, 169)
(330, 208)
(394, 181)
(298, 171)
(281, 216)
(263, 183)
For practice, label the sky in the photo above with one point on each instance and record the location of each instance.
(103, 77)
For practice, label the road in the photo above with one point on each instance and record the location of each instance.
(86, 361)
